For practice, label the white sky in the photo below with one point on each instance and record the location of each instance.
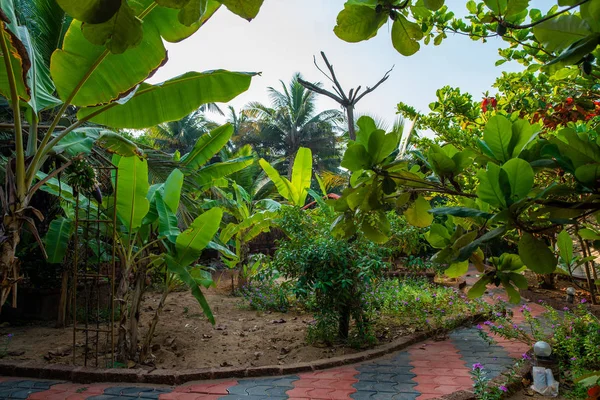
(287, 33)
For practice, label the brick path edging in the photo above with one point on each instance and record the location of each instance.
(512, 386)
(29, 369)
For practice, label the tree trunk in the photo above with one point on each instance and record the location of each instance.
(344, 325)
(61, 321)
(547, 281)
(134, 311)
(350, 115)
(122, 297)
(9, 264)
(150, 333)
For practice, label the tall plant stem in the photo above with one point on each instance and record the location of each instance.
(14, 98)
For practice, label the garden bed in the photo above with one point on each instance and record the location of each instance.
(242, 337)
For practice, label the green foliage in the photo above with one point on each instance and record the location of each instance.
(296, 190)
(332, 270)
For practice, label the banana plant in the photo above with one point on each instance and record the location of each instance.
(61, 54)
(251, 218)
(296, 190)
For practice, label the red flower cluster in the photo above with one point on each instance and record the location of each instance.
(568, 111)
(488, 101)
(594, 393)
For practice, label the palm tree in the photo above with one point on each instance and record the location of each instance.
(181, 135)
(292, 122)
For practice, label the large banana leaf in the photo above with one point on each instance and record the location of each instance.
(93, 76)
(206, 147)
(57, 239)
(302, 173)
(280, 182)
(167, 220)
(19, 59)
(193, 240)
(132, 188)
(168, 21)
(184, 275)
(206, 176)
(170, 100)
(81, 141)
(171, 189)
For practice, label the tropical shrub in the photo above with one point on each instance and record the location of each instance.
(336, 272)
(405, 239)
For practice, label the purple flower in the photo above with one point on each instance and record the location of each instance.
(498, 314)
(515, 326)
(418, 299)
(503, 388)
(487, 323)
(477, 366)
(500, 327)
(479, 327)
(451, 303)
(565, 308)
(525, 356)
(583, 301)
(573, 358)
(540, 301)
(10, 335)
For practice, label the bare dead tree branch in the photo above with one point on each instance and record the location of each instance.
(348, 102)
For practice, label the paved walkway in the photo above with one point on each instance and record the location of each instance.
(422, 371)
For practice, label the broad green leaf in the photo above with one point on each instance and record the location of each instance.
(457, 269)
(118, 144)
(132, 187)
(171, 190)
(171, 100)
(357, 22)
(176, 25)
(193, 240)
(467, 251)
(536, 255)
(520, 176)
(479, 288)
(19, 60)
(515, 7)
(519, 280)
(356, 158)
(122, 31)
(578, 150)
(247, 9)
(574, 53)
(57, 239)
(497, 135)
(588, 174)
(589, 234)
(366, 127)
(508, 263)
(565, 246)
(463, 212)
(206, 147)
(92, 11)
(498, 7)
(302, 173)
(489, 189)
(184, 275)
(513, 294)
(433, 5)
(103, 77)
(556, 34)
(418, 213)
(205, 177)
(590, 12)
(405, 36)
(374, 233)
(167, 220)
(273, 175)
(438, 236)
(522, 134)
(78, 141)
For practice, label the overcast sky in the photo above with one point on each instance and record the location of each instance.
(287, 34)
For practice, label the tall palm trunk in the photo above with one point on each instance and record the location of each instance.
(9, 264)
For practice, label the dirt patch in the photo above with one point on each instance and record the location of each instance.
(185, 339)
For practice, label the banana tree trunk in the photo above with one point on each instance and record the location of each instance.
(153, 324)
(9, 264)
(123, 298)
(134, 311)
